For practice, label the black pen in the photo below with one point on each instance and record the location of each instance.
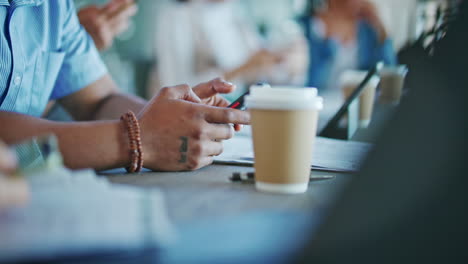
(250, 177)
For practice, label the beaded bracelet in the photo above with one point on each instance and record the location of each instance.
(133, 130)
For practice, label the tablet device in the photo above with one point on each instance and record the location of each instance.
(330, 129)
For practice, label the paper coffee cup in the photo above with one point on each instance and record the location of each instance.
(349, 81)
(284, 125)
(391, 83)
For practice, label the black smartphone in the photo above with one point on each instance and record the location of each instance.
(239, 102)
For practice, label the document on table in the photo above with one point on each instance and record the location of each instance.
(75, 214)
(328, 154)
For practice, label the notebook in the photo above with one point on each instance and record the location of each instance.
(328, 154)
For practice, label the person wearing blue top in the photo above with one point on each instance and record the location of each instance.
(342, 35)
(46, 55)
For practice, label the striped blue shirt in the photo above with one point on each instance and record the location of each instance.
(45, 54)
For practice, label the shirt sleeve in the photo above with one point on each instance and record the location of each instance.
(82, 64)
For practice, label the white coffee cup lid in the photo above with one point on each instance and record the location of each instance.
(283, 98)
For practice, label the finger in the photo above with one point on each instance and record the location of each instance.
(123, 16)
(116, 7)
(7, 160)
(200, 163)
(119, 27)
(220, 131)
(13, 192)
(238, 127)
(221, 115)
(179, 92)
(213, 87)
(217, 100)
(211, 148)
(111, 7)
(222, 102)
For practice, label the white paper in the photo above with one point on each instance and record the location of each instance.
(328, 154)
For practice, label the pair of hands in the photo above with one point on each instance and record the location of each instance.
(183, 128)
(106, 22)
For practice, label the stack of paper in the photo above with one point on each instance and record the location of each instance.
(328, 154)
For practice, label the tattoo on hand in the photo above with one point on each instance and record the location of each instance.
(183, 149)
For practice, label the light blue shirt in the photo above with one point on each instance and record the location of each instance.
(45, 54)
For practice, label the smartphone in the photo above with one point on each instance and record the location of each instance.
(239, 102)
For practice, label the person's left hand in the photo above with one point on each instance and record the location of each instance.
(13, 191)
(209, 92)
(368, 11)
(7, 160)
(106, 22)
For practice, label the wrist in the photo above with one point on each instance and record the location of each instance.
(123, 143)
(132, 127)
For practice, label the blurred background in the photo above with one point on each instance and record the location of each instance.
(133, 56)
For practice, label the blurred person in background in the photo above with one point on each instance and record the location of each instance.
(201, 39)
(343, 35)
(104, 23)
(13, 190)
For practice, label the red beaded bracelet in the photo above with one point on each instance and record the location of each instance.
(133, 130)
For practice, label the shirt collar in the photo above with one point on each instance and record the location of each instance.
(16, 3)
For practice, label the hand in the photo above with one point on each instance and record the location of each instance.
(259, 63)
(263, 59)
(7, 160)
(209, 93)
(294, 67)
(13, 191)
(105, 23)
(180, 133)
(369, 12)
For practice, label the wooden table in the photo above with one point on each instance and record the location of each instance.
(208, 194)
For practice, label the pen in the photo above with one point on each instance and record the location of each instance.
(250, 177)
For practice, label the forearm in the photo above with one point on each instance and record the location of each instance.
(98, 145)
(100, 100)
(115, 105)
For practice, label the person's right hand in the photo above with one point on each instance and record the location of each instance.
(7, 160)
(260, 63)
(104, 23)
(263, 60)
(179, 133)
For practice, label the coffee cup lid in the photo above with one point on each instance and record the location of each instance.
(283, 98)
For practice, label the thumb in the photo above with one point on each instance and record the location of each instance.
(213, 87)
